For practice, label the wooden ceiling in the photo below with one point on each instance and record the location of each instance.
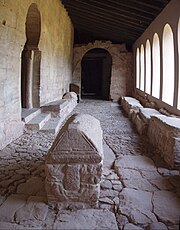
(120, 21)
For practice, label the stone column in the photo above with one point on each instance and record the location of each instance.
(29, 78)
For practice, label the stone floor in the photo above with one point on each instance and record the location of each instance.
(138, 191)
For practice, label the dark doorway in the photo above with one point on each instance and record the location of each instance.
(30, 60)
(96, 74)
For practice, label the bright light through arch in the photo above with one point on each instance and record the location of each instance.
(168, 65)
(142, 68)
(137, 68)
(148, 67)
(156, 67)
(178, 106)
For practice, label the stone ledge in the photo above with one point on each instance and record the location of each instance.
(164, 134)
(163, 131)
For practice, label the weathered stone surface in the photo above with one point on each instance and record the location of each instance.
(157, 226)
(121, 220)
(11, 226)
(74, 163)
(130, 104)
(166, 206)
(140, 183)
(34, 212)
(75, 138)
(2, 199)
(137, 205)
(32, 186)
(109, 156)
(135, 163)
(106, 200)
(164, 134)
(10, 206)
(106, 184)
(70, 95)
(162, 183)
(109, 193)
(146, 113)
(131, 227)
(86, 219)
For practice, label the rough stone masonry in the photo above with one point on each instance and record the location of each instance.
(74, 164)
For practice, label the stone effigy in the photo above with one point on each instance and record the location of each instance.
(74, 164)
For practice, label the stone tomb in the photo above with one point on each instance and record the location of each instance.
(74, 164)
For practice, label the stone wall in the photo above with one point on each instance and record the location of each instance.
(122, 64)
(55, 45)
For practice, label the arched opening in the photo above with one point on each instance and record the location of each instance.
(156, 67)
(168, 65)
(142, 68)
(178, 106)
(30, 63)
(137, 69)
(96, 74)
(148, 67)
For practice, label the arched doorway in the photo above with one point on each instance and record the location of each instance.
(96, 74)
(31, 56)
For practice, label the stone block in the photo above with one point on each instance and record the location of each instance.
(164, 134)
(129, 104)
(70, 95)
(61, 108)
(74, 164)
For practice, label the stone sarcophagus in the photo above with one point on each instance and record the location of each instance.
(74, 164)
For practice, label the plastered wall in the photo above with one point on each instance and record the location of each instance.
(121, 76)
(56, 41)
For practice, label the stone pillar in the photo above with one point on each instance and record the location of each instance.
(74, 164)
(29, 78)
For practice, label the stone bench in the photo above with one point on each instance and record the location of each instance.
(164, 134)
(63, 107)
(142, 117)
(139, 115)
(163, 131)
(74, 164)
(130, 104)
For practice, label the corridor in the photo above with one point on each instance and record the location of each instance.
(138, 191)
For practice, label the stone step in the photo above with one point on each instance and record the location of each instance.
(29, 114)
(53, 125)
(39, 121)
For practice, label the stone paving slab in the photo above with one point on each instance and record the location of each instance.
(87, 219)
(10, 206)
(167, 206)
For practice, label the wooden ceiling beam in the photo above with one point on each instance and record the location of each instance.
(92, 7)
(121, 11)
(93, 27)
(119, 25)
(102, 16)
(127, 7)
(118, 29)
